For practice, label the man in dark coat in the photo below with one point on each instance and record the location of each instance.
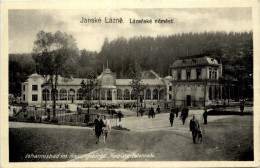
(171, 118)
(152, 113)
(99, 124)
(184, 114)
(205, 116)
(194, 128)
(177, 111)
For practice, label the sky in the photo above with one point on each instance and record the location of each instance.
(24, 24)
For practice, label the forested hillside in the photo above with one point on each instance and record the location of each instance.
(235, 50)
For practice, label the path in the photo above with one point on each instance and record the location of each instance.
(161, 122)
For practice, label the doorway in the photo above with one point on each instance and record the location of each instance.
(188, 100)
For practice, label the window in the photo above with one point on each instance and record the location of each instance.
(161, 94)
(170, 88)
(34, 97)
(126, 94)
(215, 74)
(210, 73)
(24, 97)
(119, 94)
(79, 94)
(179, 76)
(155, 94)
(23, 87)
(170, 96)
(96, 94)
(35, 87)
(194, 61)
(210, 93)
(133, 95)
(188, 74)
(109, 95)
(46, 95)
(103, 95)
(198, 71)
(148, 94)
(63, 94)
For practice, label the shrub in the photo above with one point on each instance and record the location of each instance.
(55, 120)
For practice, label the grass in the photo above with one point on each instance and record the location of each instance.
(227, 139)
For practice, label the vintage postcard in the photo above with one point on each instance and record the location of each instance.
(130, 84)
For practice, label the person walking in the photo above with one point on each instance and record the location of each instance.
(99, 124)
(177, 111)
(106, 128)
(171, 118)
(205, 116)
(242, 107)
(194, 128)
(184, 114)
(158, 109)
(152, 112)
(119, 115)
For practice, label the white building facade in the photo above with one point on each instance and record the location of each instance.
(196, 81)
(112, 91)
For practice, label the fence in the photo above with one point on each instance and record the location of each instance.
(62, 115)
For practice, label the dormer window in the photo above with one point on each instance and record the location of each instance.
(194, 61)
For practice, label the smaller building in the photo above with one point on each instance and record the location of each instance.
(196, 81)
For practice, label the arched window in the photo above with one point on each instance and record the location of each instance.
(133, 95)
(45, 94)
(63, 94)
(155, 94)
(96, 94)
(210, 93)
(148, 94)
(126, 94)
(109, 95)
(161, 94)
(71, 94)
(103, 95)
(119, 94)
(79, 94)
(56, 94)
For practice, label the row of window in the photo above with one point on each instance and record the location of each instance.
(103, 94)
(188, 74)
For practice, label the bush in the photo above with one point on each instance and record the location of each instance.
(55, 120)
(32, 118)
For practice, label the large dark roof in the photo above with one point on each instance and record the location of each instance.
(195, 60)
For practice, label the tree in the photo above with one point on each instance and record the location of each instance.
(90, 87)
(135, 73)
(52, 53)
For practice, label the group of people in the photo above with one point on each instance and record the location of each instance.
(194, 123)
(101, 128)
(151, 112)
(175, 112)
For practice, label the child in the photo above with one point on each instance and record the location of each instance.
(106, 128)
